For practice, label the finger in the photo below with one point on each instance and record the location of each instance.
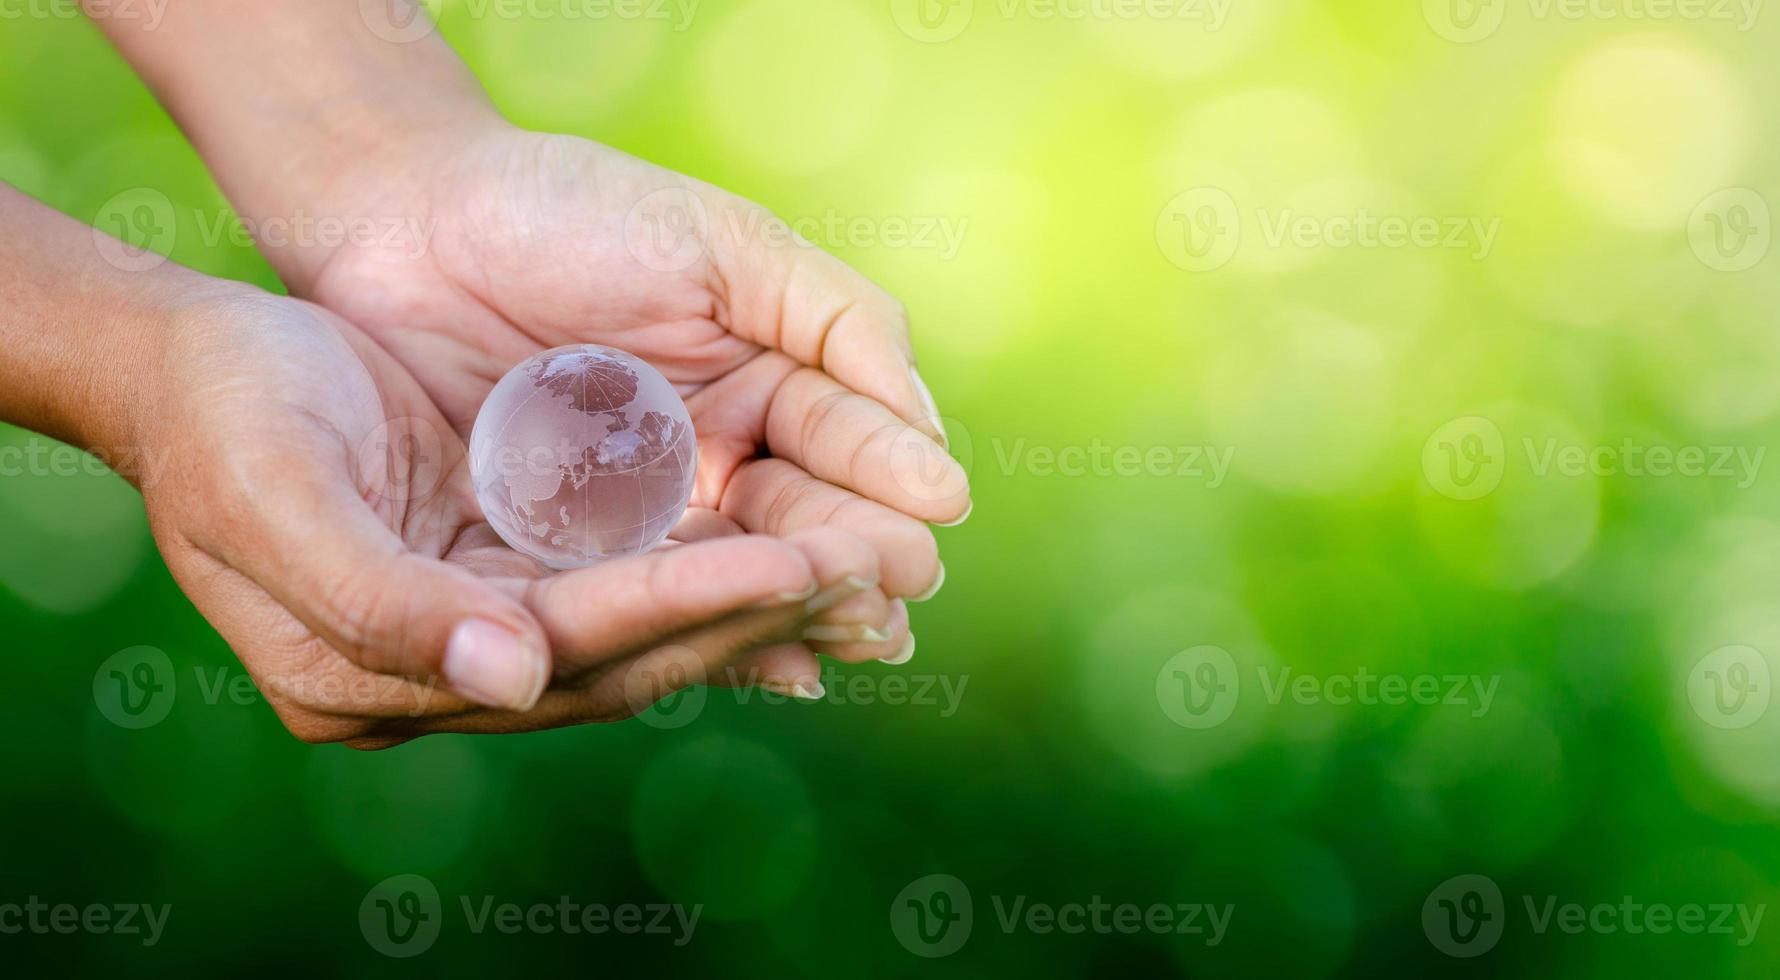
(703, 523)
(844, 564)
(771, 496)
(880, 633)
(854, 442)
(841, 566)
(323, 554)
(628, 687)
(729, 415)
(594, 615)
(790, 669)
(791, 296)
(318, 694)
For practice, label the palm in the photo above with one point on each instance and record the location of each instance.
(538, 259)
(311, 422)
(533, 241)
(322, 518)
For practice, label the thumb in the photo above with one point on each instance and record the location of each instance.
(359, 588)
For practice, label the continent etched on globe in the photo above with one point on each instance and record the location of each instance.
(581, 454)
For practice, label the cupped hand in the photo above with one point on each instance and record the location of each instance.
(798, 371)
(318, 511)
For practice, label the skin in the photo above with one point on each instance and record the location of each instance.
(336, 567)
(330, 559)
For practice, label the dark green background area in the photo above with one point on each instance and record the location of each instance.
(1072, 156)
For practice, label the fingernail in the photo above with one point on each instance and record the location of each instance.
(846, 588)
(789, 598)
(929, 410)
(903, 655)
(803, 691)
(491, 665)
(932, 590)
(851, 633)
(961, 517)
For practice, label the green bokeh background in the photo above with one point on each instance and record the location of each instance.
(1625, 297)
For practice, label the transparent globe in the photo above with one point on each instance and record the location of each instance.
(581, 454)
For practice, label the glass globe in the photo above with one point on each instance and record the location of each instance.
(581, 454)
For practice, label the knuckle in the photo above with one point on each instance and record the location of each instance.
(367, 617)
(819, 417)
(314, 728)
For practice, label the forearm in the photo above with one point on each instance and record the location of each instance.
(78, 335)
(293, 103)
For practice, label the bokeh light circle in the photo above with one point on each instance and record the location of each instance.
(726, 824)
(779, 120)
(1644, 126)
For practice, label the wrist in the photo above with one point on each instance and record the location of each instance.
(301, 108)
(82, 340)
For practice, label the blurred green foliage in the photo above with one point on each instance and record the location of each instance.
(1204, 235)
